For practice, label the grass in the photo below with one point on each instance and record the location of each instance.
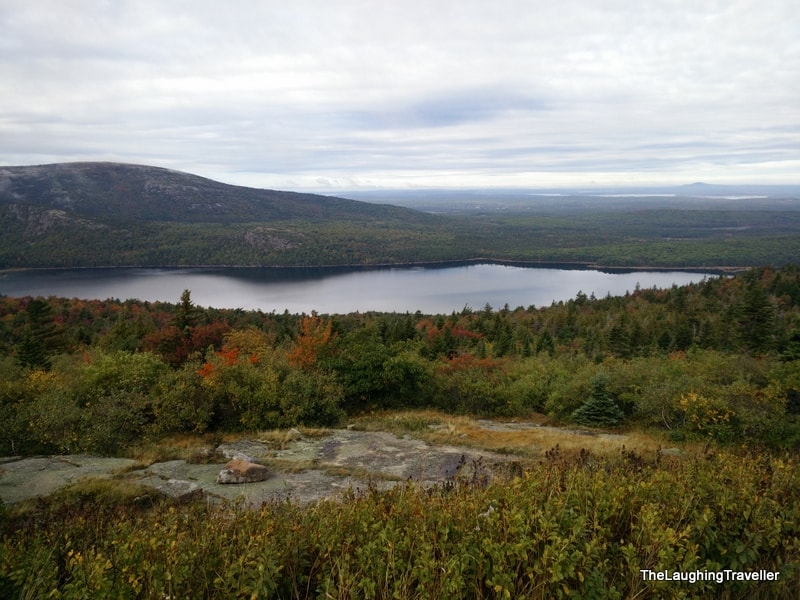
(103, 494)
(279, 439)
(173, 447)
(199, 448)
(532, 443)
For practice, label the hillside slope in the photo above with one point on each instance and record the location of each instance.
(125, 192)
(111, 214)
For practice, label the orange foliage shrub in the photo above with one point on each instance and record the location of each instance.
(314, 336)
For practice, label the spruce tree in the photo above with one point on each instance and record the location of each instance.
(31, 352)
(40, 338)
(187, 314)
(600, 409)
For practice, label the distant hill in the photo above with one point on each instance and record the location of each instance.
(124, 192)
(111, 214)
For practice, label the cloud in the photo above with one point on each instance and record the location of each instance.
(416, 93)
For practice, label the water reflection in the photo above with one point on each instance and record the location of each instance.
(440, 289)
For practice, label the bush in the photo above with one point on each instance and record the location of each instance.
(469, 385)
(568, 529)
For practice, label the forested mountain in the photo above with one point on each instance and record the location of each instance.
(108, 214)
(111, 193)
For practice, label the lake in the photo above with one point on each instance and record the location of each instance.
(431, 290)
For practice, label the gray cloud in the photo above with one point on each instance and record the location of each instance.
(513, 92)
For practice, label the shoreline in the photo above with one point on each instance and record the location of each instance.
(566, 265)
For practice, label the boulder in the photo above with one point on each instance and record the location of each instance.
(242, 471)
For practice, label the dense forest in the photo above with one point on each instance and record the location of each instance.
(715, 365)
(718, 359)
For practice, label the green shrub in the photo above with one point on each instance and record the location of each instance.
(600, 409)
(574, 526)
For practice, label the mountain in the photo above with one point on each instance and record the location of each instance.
(111, 214)
(114, 192)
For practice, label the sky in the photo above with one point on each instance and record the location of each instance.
(395, 94)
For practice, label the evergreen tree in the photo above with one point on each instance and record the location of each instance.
(619, 340)
(187, 313)
(755, 318)
(684, 335)
(545, 343)
(600, 410)
(791, 347)
(31, 352)
(503, 339)
(40, 337)
(664, 340)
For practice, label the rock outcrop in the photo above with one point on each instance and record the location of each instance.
(239, 470)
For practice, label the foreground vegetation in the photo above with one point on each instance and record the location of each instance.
(715, 364)
(575, 526)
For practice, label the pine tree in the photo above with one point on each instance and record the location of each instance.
(31, 352)
(619, 340)
(600, 410)
(40, 338)
(187, 313)
(755, 318)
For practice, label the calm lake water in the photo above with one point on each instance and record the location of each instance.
(433, 290)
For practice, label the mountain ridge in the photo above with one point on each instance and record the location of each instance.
(124, 191)
(120, 214)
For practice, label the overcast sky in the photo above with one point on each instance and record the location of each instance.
(344, 94)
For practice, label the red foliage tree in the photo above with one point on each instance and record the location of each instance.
(315, 333)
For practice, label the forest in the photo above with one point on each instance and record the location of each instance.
(713, 366)
(641, 238)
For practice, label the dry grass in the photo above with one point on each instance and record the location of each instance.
(531, 440)
(279, 439)
(173, 447)
(359, 473)
(196, 447)
(282, 465)
(400, 421)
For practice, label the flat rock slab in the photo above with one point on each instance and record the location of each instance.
(41, 476)
(305, 470)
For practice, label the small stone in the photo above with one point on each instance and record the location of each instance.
(242, 471)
